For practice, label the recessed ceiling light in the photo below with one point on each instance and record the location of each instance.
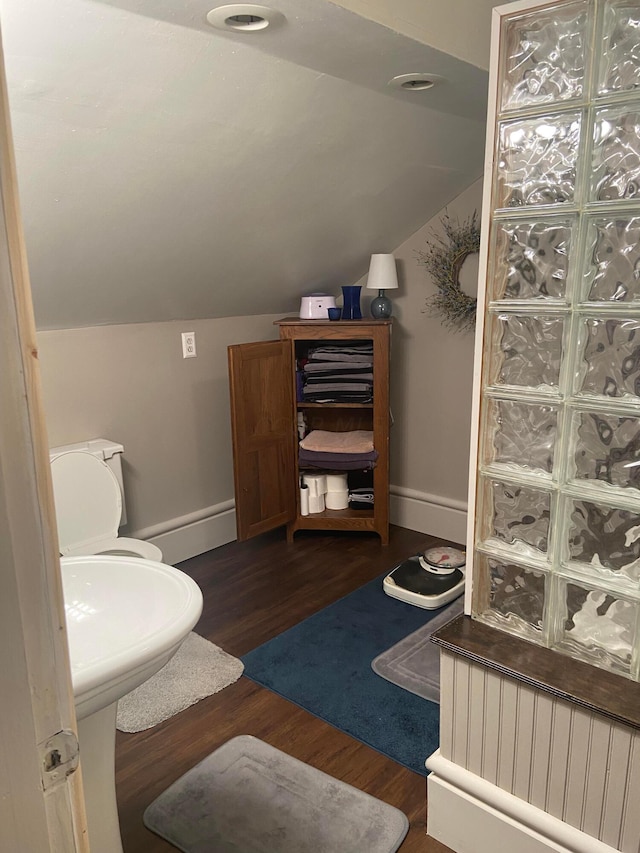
(415, 82)
(244, 17)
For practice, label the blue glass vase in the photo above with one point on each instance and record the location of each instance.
(351, 302)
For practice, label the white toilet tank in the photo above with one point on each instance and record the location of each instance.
(109, 451)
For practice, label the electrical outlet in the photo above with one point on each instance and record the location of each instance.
(189, 345)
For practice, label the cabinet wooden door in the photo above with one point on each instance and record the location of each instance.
(263, 435)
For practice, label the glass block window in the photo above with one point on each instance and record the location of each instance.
(527, 352)
(543, 57)
(596, 625)
(602, 539)
(604, 450)
(616, 158)
(619, 69)
(520, 435)
(515, 596)
(516, 516)
(537, 160)
(557, 523)
(531, 259)
(612, 259)
(608, 357)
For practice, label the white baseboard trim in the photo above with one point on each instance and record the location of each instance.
(433, 514)
(470, 815)
(193, 534)
(189, 535)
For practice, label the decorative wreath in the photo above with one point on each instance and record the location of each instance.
(443, 260)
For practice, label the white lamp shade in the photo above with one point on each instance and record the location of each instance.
(382, 273)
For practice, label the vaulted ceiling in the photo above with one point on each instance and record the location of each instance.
(170, 170)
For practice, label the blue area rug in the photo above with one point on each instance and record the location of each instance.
(324, 666)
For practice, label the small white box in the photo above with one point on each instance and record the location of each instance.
(316, 306)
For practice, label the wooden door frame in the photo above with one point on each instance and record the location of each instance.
(39, 810)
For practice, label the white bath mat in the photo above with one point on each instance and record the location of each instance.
(198, 669)
(249, 797)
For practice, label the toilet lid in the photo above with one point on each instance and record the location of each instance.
(87, 498)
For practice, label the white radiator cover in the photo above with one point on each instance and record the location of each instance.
(569, 763)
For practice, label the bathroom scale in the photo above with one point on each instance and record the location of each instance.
(428, 580)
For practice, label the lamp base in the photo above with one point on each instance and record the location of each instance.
(381, 307)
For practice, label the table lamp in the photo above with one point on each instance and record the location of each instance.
(382, 276)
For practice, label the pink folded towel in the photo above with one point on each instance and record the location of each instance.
(355, 441)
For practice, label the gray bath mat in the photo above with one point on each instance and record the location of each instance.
(414, 663)
(248, 797)
(198, 669)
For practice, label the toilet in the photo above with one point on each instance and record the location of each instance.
(88, 497)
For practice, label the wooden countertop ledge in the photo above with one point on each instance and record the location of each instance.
(564, 677)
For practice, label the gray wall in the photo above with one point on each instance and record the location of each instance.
(432, 372)
(130, 383)
(458, 27)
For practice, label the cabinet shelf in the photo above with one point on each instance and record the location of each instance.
(302, 405)
(345, 519)
(333, 514)
(314, 469)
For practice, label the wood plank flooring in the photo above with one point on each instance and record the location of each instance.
(252, 592)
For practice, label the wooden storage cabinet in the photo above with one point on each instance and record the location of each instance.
(264, 415)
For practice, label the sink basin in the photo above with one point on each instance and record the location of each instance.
(126, 617)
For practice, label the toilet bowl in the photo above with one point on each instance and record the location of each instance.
(126, 618)
(88, 501)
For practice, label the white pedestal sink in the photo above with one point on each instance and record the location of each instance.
(126, 617)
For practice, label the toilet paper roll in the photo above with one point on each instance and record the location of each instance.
(317, 484)
(304, 499)
(336, 482)
(337, 499)
(316, 504)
